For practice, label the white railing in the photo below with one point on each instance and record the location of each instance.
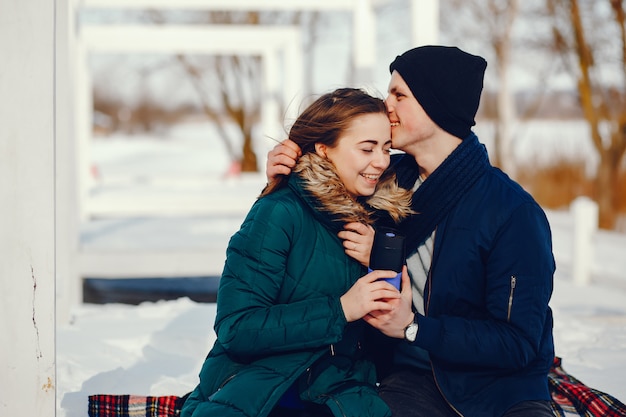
(183, 245)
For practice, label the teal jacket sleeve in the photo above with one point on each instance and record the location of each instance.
(252, 319)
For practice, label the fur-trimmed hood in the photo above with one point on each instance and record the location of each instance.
(327, 193)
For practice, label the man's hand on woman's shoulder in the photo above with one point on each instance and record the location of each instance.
(281, 159)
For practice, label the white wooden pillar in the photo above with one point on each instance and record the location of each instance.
(27, 198)
(83, 127)
(585, 213)
(68, 287)
(270, 113)
(293, 72)
(425, 26)
(363, 42)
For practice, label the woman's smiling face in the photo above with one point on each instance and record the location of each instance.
(361, 153)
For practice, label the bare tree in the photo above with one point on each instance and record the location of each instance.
(229, 86)
(592, 42)
(497, 19)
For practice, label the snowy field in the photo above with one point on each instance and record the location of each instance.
(157, 348)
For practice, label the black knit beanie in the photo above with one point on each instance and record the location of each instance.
(446, 82)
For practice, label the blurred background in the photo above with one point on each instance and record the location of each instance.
(178, 103)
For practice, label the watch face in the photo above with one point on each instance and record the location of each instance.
(411, 332)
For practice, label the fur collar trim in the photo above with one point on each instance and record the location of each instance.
(326, 193)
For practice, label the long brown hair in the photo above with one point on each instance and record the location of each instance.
(326, 119)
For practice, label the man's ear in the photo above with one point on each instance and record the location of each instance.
(320, 149)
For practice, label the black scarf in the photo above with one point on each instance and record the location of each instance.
(442, 190)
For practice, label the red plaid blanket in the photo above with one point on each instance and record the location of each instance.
(570, 397)
(135, 406)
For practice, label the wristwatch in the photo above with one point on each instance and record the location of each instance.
(410, 331)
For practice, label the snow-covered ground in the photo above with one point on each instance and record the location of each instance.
(157, 348)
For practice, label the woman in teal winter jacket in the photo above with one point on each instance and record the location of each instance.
(289, 334)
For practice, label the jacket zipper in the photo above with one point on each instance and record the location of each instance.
(429, 279)
(513, 283)
(444, 397)
(343, 413)
(430, 286)
(226, 381)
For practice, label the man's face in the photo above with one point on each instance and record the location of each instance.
(409, 122)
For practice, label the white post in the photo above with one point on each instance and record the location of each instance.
(27, 198)
(425, 18)
(585, 213)
(83, 127)
(363, 41)
(270, 113)
(68, 284)
(293, 71)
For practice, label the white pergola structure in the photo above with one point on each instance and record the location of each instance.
(271, 43)
(276, 45)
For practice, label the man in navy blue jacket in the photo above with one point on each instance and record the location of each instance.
(474, 315)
